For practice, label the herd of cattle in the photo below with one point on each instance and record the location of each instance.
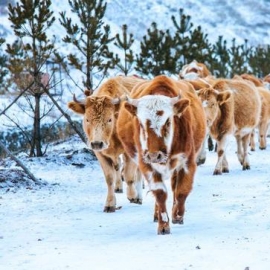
(157, 129)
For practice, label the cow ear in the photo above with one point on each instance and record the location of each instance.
(131, 108)
(180, 106)
(76, 107)
(223, 97)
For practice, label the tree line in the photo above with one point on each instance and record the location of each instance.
(91, 51)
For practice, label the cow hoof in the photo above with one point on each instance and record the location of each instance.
(245, 168)
(262, 148)
(225, 170)
(118, 190)
(109, 209)
(217, 172)
(200, 161)
(136, 200)
(164, 230)
(178, 220)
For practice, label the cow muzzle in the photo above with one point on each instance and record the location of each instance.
(98, 145)
(155, 157)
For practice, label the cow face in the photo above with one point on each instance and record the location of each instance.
(99, 116)
(193, 71)
(212, 100)
(155, 115)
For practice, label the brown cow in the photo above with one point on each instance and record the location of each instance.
(265, 110)
(232, 107)
(100, 112)
(264, 120)
(162, 127)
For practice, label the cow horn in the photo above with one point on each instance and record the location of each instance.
(175, 99)
(116, 101)
(132, 101)
(77, 101)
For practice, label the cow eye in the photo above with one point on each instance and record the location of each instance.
(110, 120)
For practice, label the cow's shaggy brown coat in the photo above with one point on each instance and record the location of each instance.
(232, 107)
(100, 111)
(162, 128)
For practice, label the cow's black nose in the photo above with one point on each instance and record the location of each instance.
(96, 145)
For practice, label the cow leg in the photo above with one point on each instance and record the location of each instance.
(159, 190)
(221, 153)
(252, 141)
(245, 141)
(202, 154)
(133, 179)
(110, 176)
(181, 186)
(263, 127)
(118, 183)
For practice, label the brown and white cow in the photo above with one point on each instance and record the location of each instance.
(100, 111)
(194, 70)
(162, 127)
(232, 107)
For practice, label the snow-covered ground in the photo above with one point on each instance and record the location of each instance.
(61, 225)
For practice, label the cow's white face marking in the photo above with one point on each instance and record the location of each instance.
(148, 110)
(158, 111)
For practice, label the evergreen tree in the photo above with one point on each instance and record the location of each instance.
(182, 38)
(259, 61)
(3, 67)
(90, 38)
(239, 55)
(125, 44)
(155, 57)
(30, 21)
(220, 58)
(200, 49)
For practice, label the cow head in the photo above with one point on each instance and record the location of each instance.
(99, 117)
(212, 100)
(155, 124)
(193, 71)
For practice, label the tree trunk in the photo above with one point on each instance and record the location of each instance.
(36, 149)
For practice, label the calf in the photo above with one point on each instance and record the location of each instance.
(162, 127)
(231, 107)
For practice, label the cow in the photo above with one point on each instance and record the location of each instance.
(231, 107)
(100, 111)
(264, 120)
(162, 126)
(265, 110)
(194, 70)
(199, 76)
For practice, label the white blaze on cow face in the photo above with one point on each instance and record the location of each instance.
(156, 111)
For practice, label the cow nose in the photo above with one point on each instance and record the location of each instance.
(97, 145)
(156, 157)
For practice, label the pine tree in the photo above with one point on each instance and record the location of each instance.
(125, 44)
(238, 58)
(259, 60)
(30, 21)
(90, 37)
(155, 57)
(181, 38)
(3, 67)
(220, 58)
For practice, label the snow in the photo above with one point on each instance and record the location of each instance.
(61, 225)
